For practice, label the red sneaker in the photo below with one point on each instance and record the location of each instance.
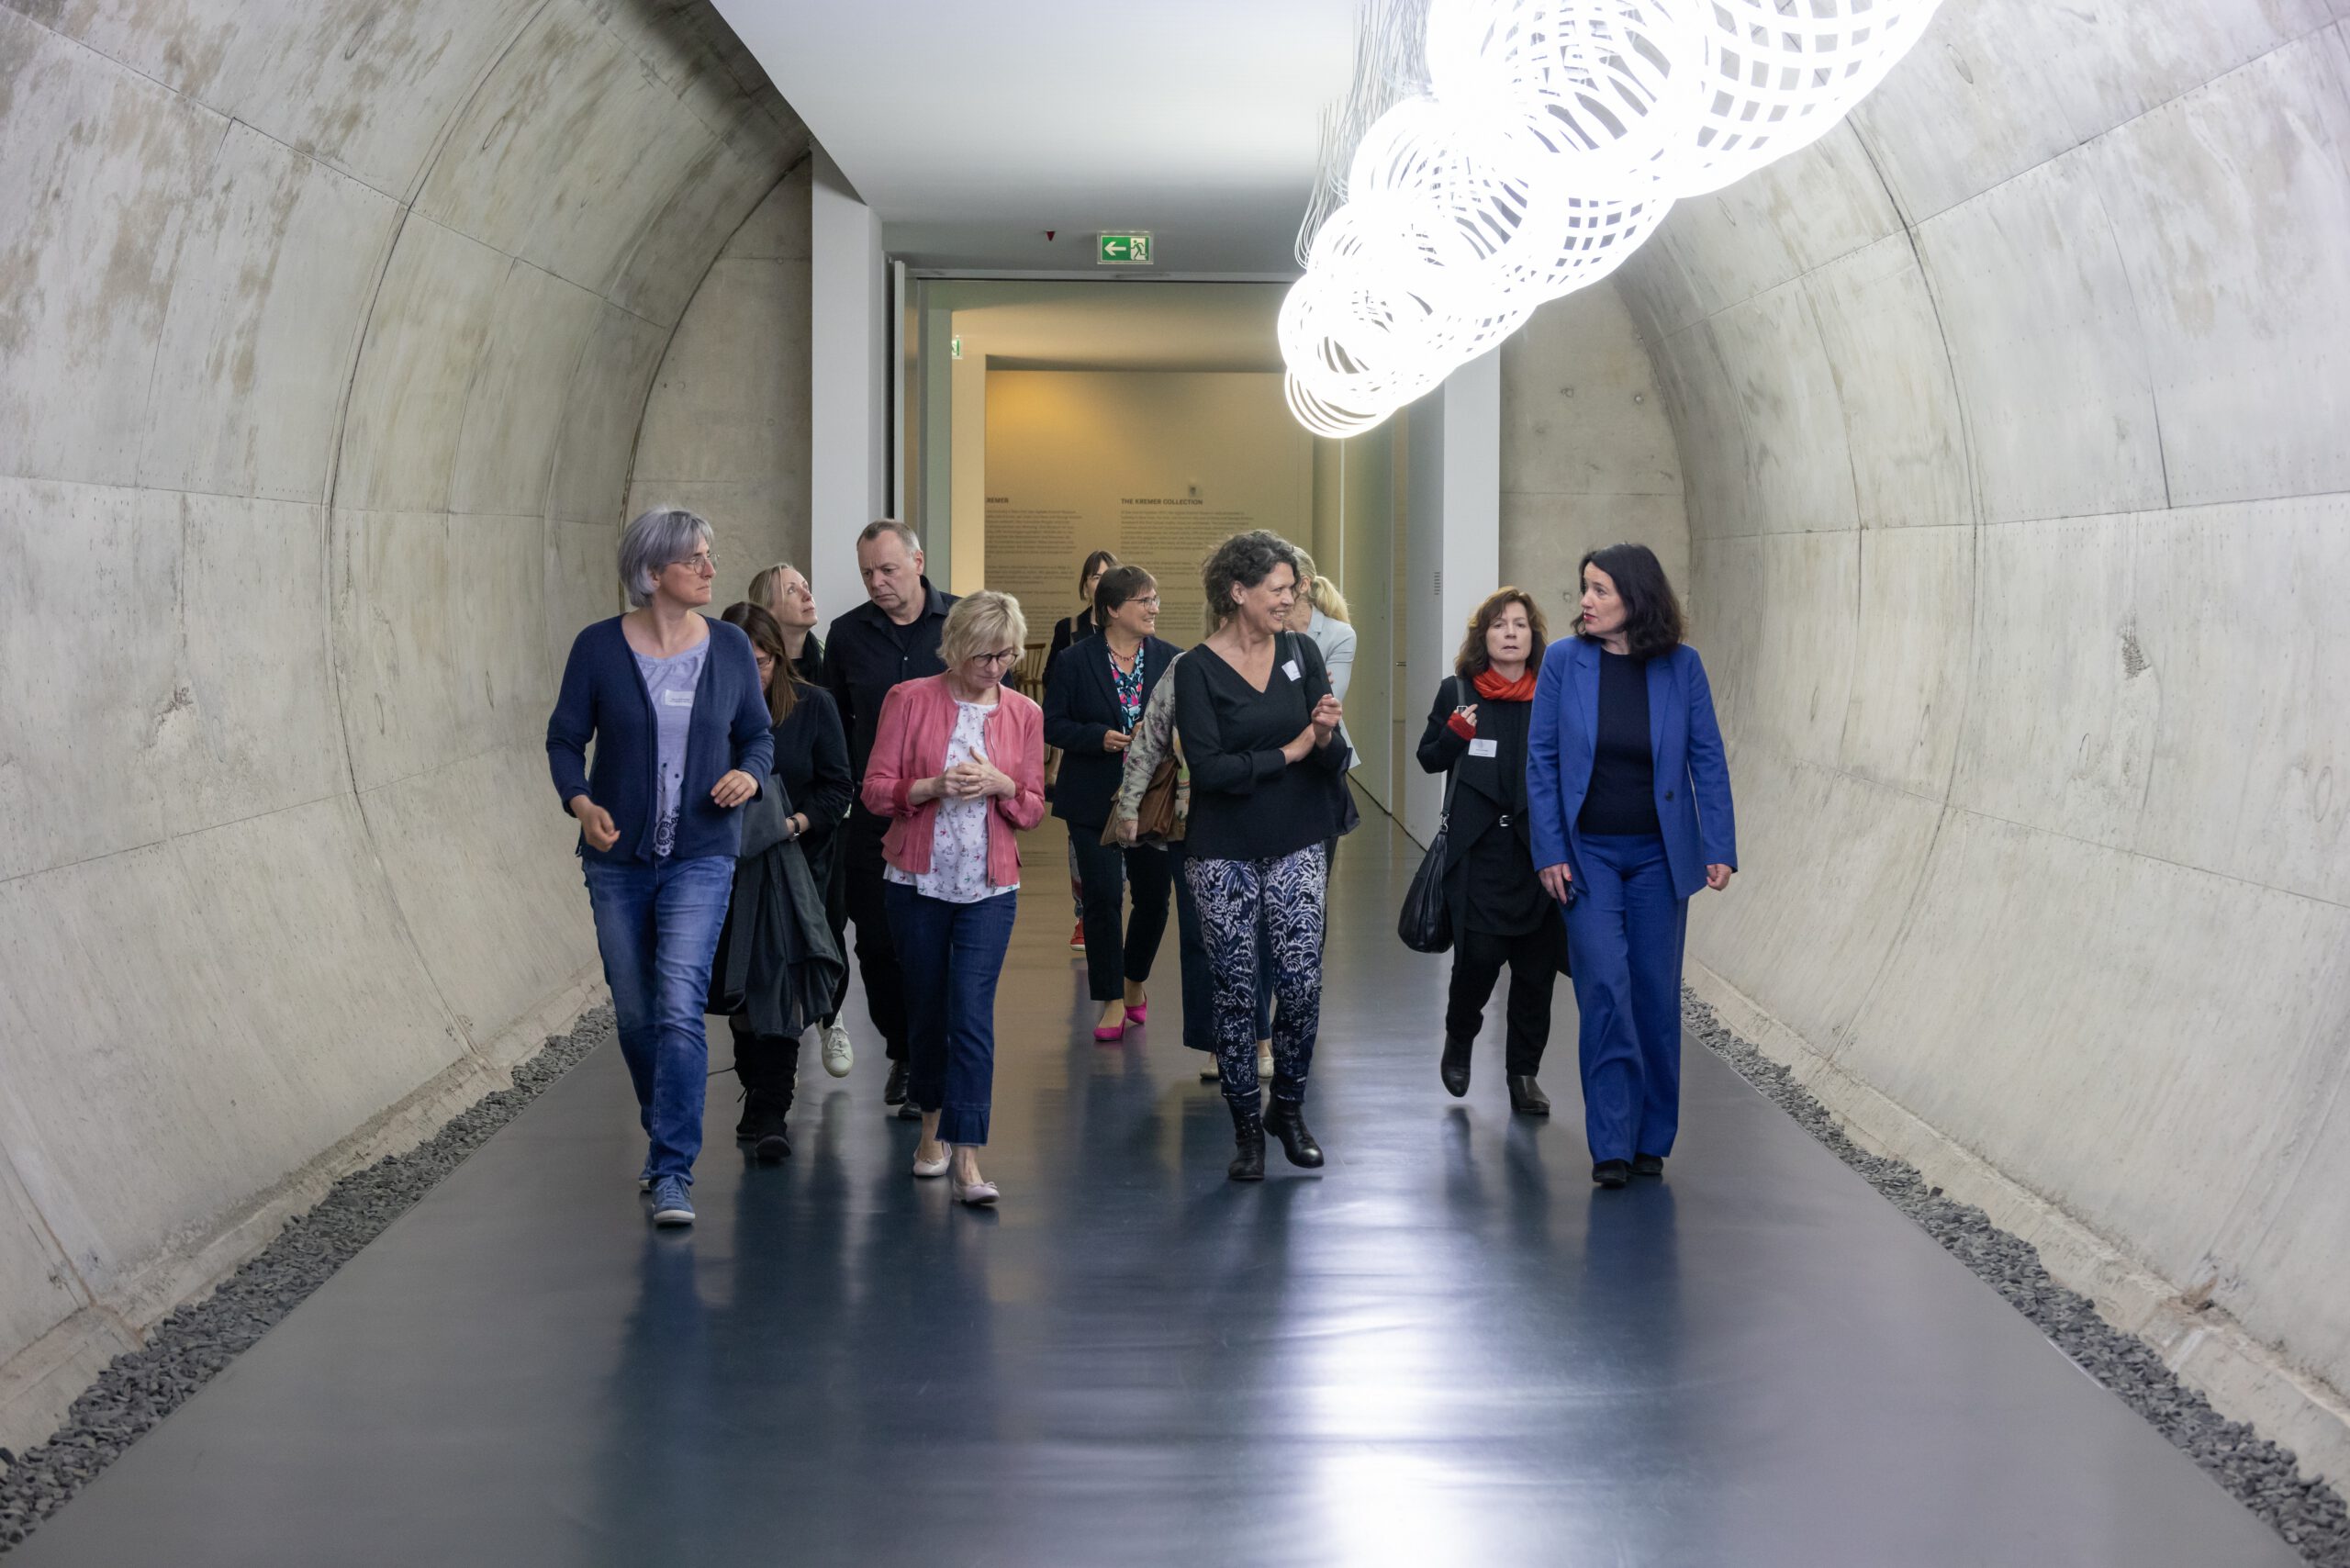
(1077, 939)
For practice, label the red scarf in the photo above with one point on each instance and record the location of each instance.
(1493, 688)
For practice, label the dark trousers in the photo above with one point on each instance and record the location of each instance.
(953, 955)
(1103, 870)
(876, 950)
(1624, 930)
(1198, 970)
(767, 1065)
(1533, 960)
(1248, 910)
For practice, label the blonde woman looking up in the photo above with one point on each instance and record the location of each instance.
(783, 592)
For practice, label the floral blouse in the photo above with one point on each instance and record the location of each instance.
(959, 841)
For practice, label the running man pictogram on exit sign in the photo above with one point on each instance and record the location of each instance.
(1124, 251)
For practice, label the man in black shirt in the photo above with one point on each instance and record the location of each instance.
(891, 638)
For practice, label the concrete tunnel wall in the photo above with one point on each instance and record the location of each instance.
(2012, 423)
(2015, 476)
(327, 327)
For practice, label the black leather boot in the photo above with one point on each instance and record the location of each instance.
(1611, 1173)
(1248, 1134)
(1286, 1121)
(1526, 1096)
(1454, 1067)
(768, 1112)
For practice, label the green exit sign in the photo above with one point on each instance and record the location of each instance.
(1125, 250)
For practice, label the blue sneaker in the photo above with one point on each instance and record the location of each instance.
(670, 1204)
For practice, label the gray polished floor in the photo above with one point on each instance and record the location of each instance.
(1445, 1347)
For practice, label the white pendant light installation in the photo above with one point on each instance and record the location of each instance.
(1555, 136)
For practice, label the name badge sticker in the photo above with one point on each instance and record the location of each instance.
(1487, 747)
(1290, 669)
(676, 700)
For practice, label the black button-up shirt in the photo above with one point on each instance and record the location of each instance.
(866, 653)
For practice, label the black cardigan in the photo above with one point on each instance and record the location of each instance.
(1248, 802)
(1081, 707)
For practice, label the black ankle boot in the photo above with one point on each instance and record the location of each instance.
(1248, 1134)
(1611, 1173)
(1526, 1096)
(1454, 1067)
(765, 1116)
(1286, 1121)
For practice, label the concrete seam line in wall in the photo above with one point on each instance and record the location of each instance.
(196, 1340)
(461, 104)
(636, 441)
(2088, 1308)
(333, 618)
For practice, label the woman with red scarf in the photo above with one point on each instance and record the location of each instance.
(1500, 914)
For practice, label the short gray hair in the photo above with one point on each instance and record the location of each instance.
(658, 538)
(881, 525)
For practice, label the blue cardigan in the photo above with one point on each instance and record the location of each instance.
(1692, 803)
(603, 698)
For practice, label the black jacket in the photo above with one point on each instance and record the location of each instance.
(777, 960)
(1485, 790)
(812, 764)
(1069, 629)
(865, 654)
(1081, 707)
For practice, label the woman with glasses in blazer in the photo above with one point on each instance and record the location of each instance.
(1094, 695)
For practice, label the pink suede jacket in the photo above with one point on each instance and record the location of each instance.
(910, 743)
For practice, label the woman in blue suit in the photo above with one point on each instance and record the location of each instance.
(1629, 794)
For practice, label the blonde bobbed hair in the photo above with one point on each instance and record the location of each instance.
(979, 624)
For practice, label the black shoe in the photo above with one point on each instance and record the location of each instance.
(764, 1115)
(747, 1127)
(1648, 1165)
(1248, 1136)
(1286, 1122)
(1454, 1067)
(894, 1091)
(1611, 1173)
(909, 1112)
(1526, 1096)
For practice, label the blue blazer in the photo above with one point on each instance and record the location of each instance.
(1692, 773)
(603, 698)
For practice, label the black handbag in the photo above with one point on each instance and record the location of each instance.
(1425, 924)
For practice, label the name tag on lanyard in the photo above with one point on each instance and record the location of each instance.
(1487, 747)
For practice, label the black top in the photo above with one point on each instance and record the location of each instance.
(1081, 707)
(866, 653)
(811, 664)
(1488, 843)
(812, 759)
(1622, 797)
(1066, 630)
(1248, 801)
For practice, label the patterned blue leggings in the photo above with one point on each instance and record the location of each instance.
(1241, 904)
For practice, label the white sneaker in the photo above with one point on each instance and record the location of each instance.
(839, 1055)
(1264, 1063)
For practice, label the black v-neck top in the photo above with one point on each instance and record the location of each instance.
(1622, 797)
(1248, 803)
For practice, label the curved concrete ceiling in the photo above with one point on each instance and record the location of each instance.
(973, 130)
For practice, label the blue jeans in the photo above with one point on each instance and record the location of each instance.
(952, 954)
(1198, 970)
(1625, 933)
(657, 927)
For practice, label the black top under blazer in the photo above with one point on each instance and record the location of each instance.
(1081, 707)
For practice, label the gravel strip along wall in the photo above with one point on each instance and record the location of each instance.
(196, 1340)
(2260, 1475)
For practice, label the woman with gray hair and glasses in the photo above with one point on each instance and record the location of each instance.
(674, 704)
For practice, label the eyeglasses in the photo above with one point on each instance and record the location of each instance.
(705, 563)
(1000, 656)
(764, 659)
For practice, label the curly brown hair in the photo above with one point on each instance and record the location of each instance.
(1472, 660)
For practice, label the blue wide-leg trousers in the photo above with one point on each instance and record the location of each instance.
(1624, 935)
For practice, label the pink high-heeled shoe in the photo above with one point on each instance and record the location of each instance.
(1138, 1012)
(1106, 1032)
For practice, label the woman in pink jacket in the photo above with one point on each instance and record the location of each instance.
(958, 768)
